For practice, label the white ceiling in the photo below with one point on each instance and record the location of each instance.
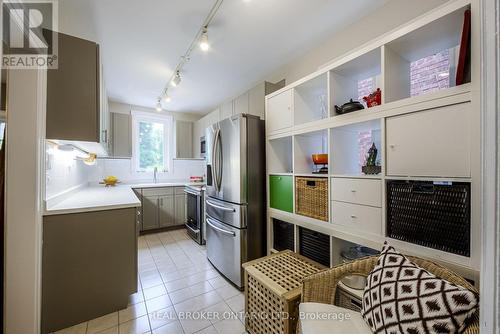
(141, 42)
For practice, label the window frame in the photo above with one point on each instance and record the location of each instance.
(167, 121)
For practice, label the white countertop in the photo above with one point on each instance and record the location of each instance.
(99, 197)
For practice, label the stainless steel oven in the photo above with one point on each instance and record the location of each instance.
(195, 213)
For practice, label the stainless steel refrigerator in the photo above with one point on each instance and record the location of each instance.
(235, 194)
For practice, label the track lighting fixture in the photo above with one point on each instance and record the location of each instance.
(200, 39)
(204, 45)
(158, 105)
(176, 80)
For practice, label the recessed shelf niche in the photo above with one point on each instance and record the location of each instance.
(345, 79)
(305, 146)
(280, 156)
(441, 35)
(311, 100)
(349, 145)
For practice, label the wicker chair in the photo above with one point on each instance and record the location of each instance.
(321, 287)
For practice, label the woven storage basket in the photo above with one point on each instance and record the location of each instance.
(311, 197)
(273, 290)
(431, 215)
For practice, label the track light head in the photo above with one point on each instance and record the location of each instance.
(176, 80)
(204, 44)
(158, 106)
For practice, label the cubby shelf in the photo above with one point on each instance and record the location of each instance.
(349, 146)
(305, 145)
(344, 79)
(311, 100)
(279, 155)
(440, 35)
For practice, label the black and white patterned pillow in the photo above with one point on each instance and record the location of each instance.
(401, 297)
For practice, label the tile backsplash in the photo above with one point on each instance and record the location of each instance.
(64, 172)
(122, 168)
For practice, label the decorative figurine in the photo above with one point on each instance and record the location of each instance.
(370, 166)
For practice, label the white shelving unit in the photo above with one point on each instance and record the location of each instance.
(387, 60)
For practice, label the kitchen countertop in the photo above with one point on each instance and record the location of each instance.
(99, 197)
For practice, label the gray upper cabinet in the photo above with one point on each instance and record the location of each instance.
(73, 92)
(184, 140)
(121, 135)
(167, 211)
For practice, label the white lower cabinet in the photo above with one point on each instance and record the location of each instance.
(436, 142)
(366, 219)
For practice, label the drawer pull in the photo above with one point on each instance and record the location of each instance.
(353, 217)
(353, 191)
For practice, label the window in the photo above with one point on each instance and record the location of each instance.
(152, 140)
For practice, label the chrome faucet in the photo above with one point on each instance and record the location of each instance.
(155, 175)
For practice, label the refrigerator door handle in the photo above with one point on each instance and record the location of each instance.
(223, 208)
(214, 160)
(211, 224)
(219, 160)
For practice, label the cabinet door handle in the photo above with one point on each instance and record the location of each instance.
(353, 217)
(353, 191)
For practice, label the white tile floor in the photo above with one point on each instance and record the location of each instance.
(179, 292)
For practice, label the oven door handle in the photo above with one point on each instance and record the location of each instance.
(192, 229)
(211, 224)
(223, 208)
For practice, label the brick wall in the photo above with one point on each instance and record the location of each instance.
(430, 73)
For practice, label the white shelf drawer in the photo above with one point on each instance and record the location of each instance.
(364, 218)
(357, 191)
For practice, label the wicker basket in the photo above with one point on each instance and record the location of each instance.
(272, 294)
(311, 197)
(430, 215)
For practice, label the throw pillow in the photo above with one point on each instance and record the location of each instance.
(401, 297)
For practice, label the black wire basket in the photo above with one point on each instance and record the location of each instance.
(430, 214)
